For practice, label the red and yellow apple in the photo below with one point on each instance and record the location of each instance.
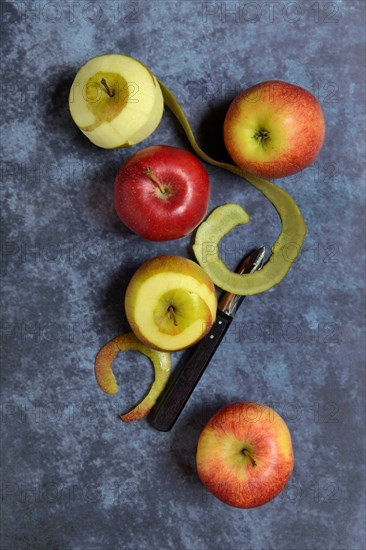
(244, 454)
(274, 129)
(115, 101)
(162, 193)
(170, 303)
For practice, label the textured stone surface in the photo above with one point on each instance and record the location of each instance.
(74, 476)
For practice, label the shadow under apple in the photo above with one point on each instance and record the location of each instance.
(187, 430)
(99, 198)
(211, 134)
(62, 131)
(57, 113)
(112, 299)
(186, 434)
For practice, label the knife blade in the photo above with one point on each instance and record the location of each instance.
(176, 394)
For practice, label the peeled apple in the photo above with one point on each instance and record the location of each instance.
(115, 101)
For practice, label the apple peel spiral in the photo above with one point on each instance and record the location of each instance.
(106, 380)
(287, 246)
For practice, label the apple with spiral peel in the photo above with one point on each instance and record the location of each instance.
(170, 303)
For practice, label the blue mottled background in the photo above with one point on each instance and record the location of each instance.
(74, 476)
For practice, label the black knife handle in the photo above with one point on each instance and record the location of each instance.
(177, 393)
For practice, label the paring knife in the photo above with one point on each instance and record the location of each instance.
(178, 391)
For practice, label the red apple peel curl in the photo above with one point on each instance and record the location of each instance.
(107, 381)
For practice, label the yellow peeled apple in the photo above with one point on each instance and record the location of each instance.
(115, 101)
(170, 303)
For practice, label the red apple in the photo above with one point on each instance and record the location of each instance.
(274, 129)
(162, 193)
(244, 454)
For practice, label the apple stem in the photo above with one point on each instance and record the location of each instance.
(247, 453)
(107, 88)
(261, 135)
(172, 315)
(153, 178)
